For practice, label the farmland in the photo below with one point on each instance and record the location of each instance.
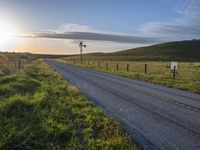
(40, 110)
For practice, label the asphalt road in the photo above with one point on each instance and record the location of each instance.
(157, 117)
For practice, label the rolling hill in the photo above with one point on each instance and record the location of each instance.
(178, 50)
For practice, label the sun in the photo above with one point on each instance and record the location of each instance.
(7, 32)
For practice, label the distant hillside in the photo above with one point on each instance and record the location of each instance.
(4, 56)
(179, 50)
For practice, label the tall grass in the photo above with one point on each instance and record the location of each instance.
(12, 62)
(40, 110)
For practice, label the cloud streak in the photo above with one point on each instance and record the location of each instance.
(83, 32)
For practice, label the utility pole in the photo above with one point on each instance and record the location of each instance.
(81, 45)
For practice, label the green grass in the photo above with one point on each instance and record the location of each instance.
(187, 77)
(11, 62)
(40, 110)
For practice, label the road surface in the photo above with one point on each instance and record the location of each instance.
(157, 117)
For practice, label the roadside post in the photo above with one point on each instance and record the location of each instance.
(174, 73)
(19, 64)
(15, 65)
(127, 68)
(174, 68)
(106, 65)
(117, 66)
(145, 68)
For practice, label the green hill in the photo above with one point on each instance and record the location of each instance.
(179, 50)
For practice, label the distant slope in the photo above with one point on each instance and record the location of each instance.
(171, 48)
(179, 50)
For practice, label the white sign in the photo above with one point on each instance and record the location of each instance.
(174, 64)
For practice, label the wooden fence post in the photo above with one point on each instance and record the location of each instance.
(19, 64)
(15, 65)
(127, 67)
(174, 73)
(117, 66)
(145, 68)
(99, 64)
(106, 65)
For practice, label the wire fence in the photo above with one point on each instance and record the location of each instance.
(11, 65)
(186, 70)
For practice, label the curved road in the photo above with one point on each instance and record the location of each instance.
(157, 117)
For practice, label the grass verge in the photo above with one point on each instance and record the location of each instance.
(40, 110)
(188, 77)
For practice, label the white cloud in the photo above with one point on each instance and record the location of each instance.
(72, 27)
(185, 27)
(188, 7)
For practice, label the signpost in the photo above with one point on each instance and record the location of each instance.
(174, 68)
(174, 64)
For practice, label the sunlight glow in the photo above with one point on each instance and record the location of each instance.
(7, 33)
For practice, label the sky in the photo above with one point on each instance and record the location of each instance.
(57, 26)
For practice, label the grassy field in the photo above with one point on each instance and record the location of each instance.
(40, 110)
(11, 62)
(187, 77)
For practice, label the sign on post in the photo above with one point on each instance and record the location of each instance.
(174, 64)
(174, 67)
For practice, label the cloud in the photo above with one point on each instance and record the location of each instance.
(84, 32)
(188, 7)
(72, 27)
(185, 27)
(97, 37)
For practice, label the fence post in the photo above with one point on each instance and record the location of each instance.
(145, 68)
(117, 66)
(99, 64)
(19, 64)
(174, 73)
(127, 68)
(93, 62)
(106, 65)
(15, 65)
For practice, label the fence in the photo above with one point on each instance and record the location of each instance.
(185, 69)
(8, 66)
